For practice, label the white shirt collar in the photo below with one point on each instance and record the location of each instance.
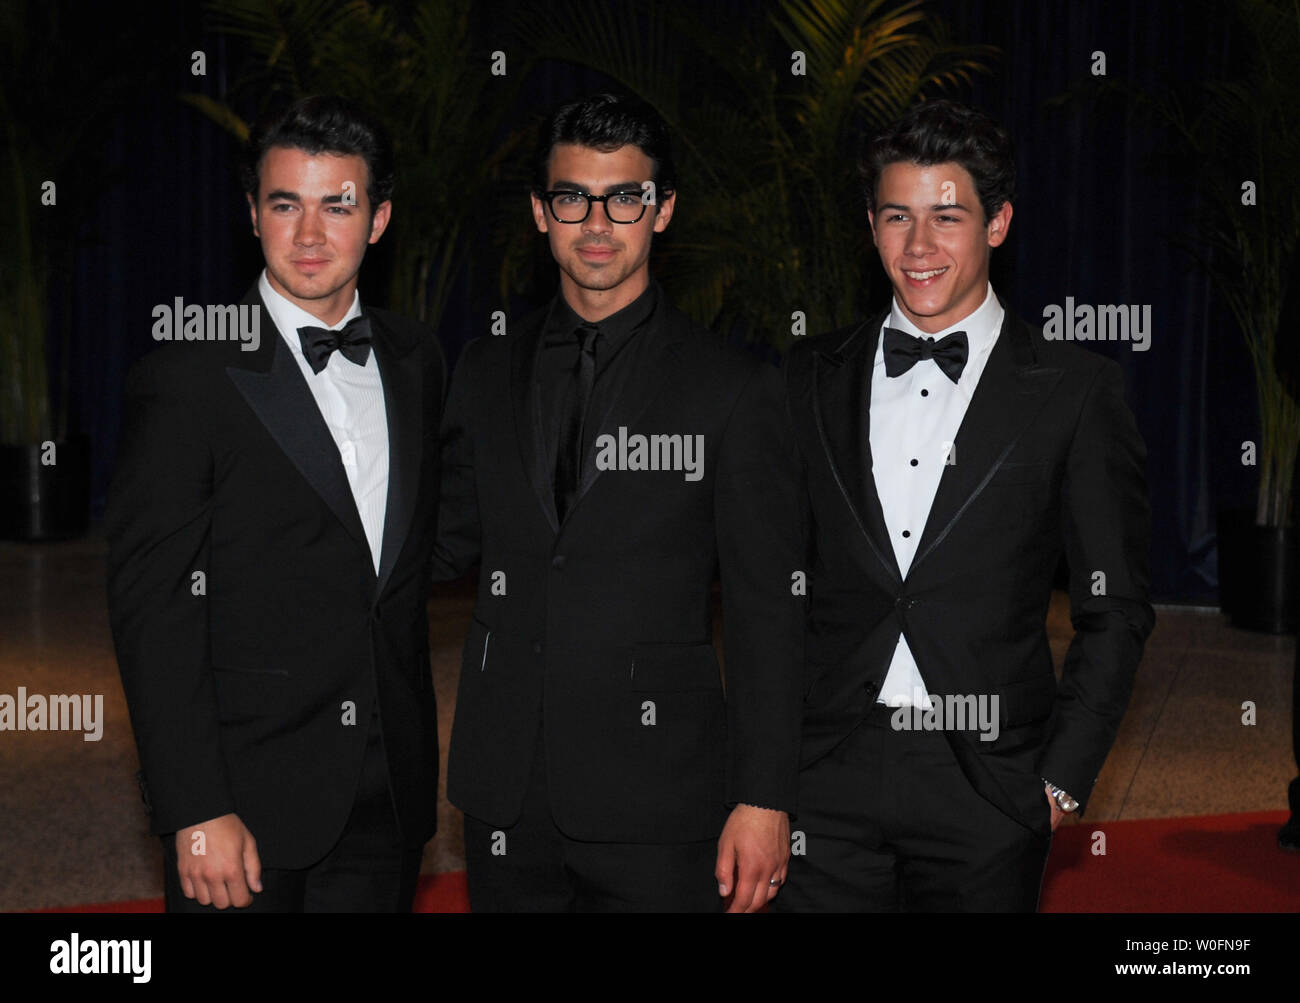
(981, 325)
(289, 316)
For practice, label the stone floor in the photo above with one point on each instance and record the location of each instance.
(72, 827)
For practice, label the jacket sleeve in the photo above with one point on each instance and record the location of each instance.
(758, 519)
(158, 525)
(1106, 523)
(458, 542)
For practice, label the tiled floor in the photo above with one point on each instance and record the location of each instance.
(72, 828)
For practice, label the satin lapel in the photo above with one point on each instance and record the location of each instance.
(1012, 390)
(841, 399)
(657, 360)
(399, 370)
(526, 404)
(282, 401)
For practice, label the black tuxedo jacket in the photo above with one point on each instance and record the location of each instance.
(1047, 458)
(601, 625)
(237, 697)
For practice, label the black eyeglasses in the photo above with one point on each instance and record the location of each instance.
(575, 207)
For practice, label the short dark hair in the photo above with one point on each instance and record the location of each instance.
(324, 124)
(943, 131)
(606, 122)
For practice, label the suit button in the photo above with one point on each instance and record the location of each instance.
(557, 561)
(537, 647)
(375, 615)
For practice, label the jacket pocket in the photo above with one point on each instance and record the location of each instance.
(668, 668)
(1027, 701)
(1022, 472)
(478, 643)
(249, 671)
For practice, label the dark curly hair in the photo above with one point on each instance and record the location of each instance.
(324, 124)
(940, 132)
(606, 122)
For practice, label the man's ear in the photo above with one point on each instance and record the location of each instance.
(1000, 225)
(871, 221)
(252, 213)
(539, 212)
(664, 212)
(379, 220)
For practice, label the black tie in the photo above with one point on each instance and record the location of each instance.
(568, 462)
(353, 341)
(902, 352)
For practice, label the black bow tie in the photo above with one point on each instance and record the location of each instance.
(353, 341)
(902, 352)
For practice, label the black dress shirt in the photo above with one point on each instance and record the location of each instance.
(615, 358)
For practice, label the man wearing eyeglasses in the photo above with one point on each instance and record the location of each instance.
(605, 460)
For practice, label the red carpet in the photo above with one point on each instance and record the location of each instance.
(1210, 863)
(444, 892)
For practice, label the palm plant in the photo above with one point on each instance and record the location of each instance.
(425, 78)
(1247, 249)
(51, 122)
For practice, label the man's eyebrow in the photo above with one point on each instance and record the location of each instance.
(937, 207)
(280, 195)
(621, 186)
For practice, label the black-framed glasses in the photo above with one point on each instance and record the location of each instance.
(575, 207)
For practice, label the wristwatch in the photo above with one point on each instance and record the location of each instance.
(1063, 801)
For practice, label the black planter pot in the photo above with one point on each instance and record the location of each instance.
(45, 502)
(1257, 573)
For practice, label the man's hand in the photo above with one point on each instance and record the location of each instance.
(753, 849)
(1057, 814)
(226, 869)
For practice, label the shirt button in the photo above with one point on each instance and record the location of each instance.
(906, 533)
(348, 452)
(913, 462)
(925, 393)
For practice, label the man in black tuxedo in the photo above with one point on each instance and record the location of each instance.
(270, 527)
(952, 453)
(603, 459)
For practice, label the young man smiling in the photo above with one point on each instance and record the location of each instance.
(270, 525)
(596, 759)
(953, 454)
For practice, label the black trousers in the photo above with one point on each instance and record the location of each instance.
(367, 870)
(891, 824)
(532, 866)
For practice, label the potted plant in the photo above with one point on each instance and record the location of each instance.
(47, 120)
(1247, 246)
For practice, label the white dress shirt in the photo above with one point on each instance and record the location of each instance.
(351, 400)
(914, 421)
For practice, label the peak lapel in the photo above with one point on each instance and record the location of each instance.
(526, 403)
(841, 399)
(657, 359)
(1011, 392)
(275, 389)
(399, 371)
